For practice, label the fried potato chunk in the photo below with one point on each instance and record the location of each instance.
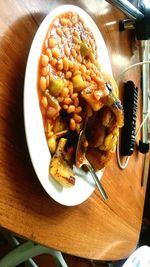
(98, 158)
(59, 167)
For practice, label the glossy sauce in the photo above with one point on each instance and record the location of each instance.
(63, 57)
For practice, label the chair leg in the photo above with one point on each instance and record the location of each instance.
(13, 241)
(28, 250)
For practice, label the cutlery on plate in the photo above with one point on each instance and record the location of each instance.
(82, 160)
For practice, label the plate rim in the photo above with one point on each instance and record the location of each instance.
(50, 16)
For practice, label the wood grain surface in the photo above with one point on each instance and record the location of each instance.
(95, 229)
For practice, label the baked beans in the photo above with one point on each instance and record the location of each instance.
(70, 82)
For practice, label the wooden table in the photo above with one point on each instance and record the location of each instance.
(95, 229)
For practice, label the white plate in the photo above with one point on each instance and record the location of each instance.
(35, 135)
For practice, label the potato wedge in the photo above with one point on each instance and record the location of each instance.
(59, 167)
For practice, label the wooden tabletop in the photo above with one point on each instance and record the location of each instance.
(96, 229)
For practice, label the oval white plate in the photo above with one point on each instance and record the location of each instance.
(37, 144)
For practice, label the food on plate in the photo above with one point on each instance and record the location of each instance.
(73, 92)
(59, 167)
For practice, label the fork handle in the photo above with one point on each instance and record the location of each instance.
(97, 182)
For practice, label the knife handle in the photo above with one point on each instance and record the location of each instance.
(130, 112)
